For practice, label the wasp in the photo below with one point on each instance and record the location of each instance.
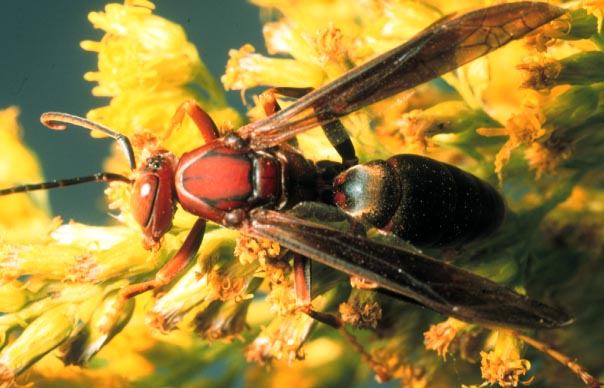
(254, 180)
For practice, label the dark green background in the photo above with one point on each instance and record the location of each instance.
(42, 68)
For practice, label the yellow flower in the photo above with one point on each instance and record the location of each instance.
(217, 277)
(540, 72)
(147, 65)
(503, 364)
(441, 336)
(249, 249)
(22, 217)
(282, 339)
(140, 51)
(523, 128)
(44, 334)
(360, 311)
(395, 364)
(246, 69)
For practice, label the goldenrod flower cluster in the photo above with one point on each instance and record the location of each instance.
(528, 118)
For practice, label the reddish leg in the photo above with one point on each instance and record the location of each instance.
(269, 102)
(173, 267)
(302, 280)
(302, 264)
(303, 299)
(166, 274)
(303, 295)
(334, 130)
(204, 122)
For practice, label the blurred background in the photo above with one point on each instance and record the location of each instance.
(42, 68)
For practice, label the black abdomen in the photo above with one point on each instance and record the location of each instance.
(421, 200)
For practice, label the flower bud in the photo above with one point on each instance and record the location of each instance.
(39, 338)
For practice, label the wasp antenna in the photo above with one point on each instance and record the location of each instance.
(55, 120)
(55, 184)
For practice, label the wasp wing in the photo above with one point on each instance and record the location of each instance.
(403, 272)
(442, 47)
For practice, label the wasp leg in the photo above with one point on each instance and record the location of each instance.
(200, 117)
(269, 101)
(166, 274)
(340, 140)
(270, 105)
(302, 284)
(334, 130)
(173, 267)
(302, 280)
(303, 298)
